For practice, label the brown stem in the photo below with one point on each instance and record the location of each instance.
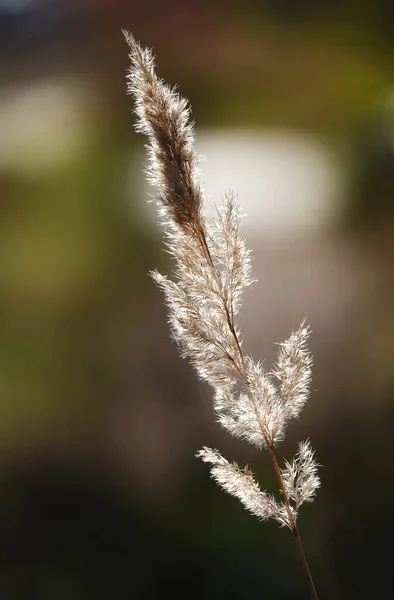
(294, 527)
(203, 242)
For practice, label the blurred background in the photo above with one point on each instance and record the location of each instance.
(100, 494)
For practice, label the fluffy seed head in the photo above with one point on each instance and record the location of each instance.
(212, 268)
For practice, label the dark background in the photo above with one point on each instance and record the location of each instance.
(100, 494)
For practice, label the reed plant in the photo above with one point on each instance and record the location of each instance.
(212, 268)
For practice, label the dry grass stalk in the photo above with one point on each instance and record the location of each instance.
(212, 267)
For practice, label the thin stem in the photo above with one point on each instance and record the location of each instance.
(294, 527)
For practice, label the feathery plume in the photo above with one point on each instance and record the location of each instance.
(212, 268)
(300, 476)
(241, 484)
(294, 372)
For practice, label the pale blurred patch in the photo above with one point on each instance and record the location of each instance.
(44, 125)
(287, 183)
